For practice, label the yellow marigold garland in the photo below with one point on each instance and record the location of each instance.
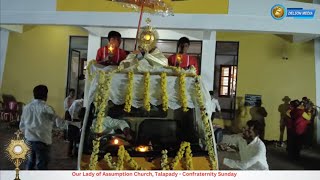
(164, 160)
(183, 96)
(146, 92)
(188, 155)
(185, 148)
(205, 120)
(94, 154)
(120, 161)
(123, 156)
(132, 163)
(90, 75)
(164, 92)
(128, 102)
(102, 97)
(178, 70)
(100, 102)
(109, 161)
(179, 156)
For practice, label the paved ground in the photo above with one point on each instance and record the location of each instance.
(277, 157)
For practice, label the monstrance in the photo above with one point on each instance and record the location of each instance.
(17, 151)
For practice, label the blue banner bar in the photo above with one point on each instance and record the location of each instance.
(300, 13)
(294, 8)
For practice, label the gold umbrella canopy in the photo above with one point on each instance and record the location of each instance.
(160, 7)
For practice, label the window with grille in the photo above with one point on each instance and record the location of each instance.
(228, 77)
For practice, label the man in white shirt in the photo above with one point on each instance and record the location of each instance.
(74, 126)
(75, 109)
(251, 149)
(66, 104)
(69, 100)
(215, 106)
(109, 125)
(36, 123)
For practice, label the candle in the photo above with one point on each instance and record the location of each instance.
(179, 58)
(142, 148)
(110, 48)
(116, 141)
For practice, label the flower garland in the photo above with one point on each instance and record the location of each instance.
(132, 163)
(176, 69)
(146, 91)
(164, 160)
(179, 156)
(100, 102)
(123, 156)
(183, 96)
(185, 148)
(205, 119)
(109, 161)
(179, 70)
(101, 98)
(189, 157)
(90, 75)
(128, 102)
(164, 92)
(193, 70)
(120, 161)
(94, 154)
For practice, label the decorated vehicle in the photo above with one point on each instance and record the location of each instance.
(163, 112)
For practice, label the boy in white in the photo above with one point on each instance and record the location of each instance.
(74, 126)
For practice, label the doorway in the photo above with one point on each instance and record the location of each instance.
(225, 77)
(77, 61)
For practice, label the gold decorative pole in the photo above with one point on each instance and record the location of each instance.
(17, 174)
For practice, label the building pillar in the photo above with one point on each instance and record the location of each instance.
(208, 59)
(4, 37)
(94, 42)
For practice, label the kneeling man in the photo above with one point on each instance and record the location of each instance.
(251, 149)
